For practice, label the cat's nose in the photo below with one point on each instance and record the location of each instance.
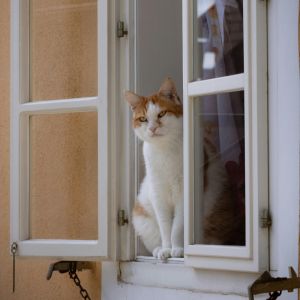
(153, 129)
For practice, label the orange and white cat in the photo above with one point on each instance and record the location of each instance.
(158, 213)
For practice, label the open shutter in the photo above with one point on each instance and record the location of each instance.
(225, 105)
(42, 130)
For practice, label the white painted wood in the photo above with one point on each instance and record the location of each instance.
(14, 92)
(21, 110)
(111, 288)
(59, 106)
(64, 249)
(188, 146)
(104, 172)
(25, 53)
(126, 152)
(221, 251)
(150, 281)
(284, 124)
(256, 111)
(219, 85)
(253, 256)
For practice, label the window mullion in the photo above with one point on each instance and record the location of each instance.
(217, 85)
(65, 105)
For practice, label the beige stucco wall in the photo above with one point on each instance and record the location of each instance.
(31, 280)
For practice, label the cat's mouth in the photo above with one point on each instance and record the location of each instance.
(155, 134)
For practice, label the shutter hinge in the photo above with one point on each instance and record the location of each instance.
(122, 219)
(265, 219)
(121, 31)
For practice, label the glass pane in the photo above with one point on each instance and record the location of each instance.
(219, 174)
(218, 38)
(63, 176)
(63, 49)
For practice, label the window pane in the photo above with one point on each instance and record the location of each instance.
(219, 169)
(218, 38)
(63, 49)
(63, 176)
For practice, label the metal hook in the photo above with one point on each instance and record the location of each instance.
(274, 286)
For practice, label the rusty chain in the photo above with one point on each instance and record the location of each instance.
(73, 275)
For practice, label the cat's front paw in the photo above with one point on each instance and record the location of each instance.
(156, 251)
(177, 252)
(164, 253)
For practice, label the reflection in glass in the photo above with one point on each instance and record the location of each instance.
(219, 169)
(218, 38)
(63, 176)
(63, 49)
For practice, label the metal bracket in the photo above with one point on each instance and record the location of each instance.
(122, 219)
(66, 266)
(268, 284)
(121, 31)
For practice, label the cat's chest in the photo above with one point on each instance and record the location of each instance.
(165, 162)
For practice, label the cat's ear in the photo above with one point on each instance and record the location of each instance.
(168, 90)
(132, 99)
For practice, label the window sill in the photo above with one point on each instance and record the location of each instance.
(175, 275)
(153, 260)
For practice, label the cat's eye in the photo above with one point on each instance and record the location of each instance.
(142, 119)
(161, 114)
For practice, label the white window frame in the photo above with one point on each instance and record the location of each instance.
(130, 280)
(253, 258)
(21, 110)
(254, 255)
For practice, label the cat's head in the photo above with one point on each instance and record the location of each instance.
(159, 116)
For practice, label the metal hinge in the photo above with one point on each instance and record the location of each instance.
(265, 219)
(122, 219)
(121, 31)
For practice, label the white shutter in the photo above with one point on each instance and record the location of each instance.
(254, 255)
(22, 110)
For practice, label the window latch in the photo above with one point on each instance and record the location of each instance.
(274, 285)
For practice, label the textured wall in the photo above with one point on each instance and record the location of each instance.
(63, 49)
(31, 280)
(63, 180)
(63, 56)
